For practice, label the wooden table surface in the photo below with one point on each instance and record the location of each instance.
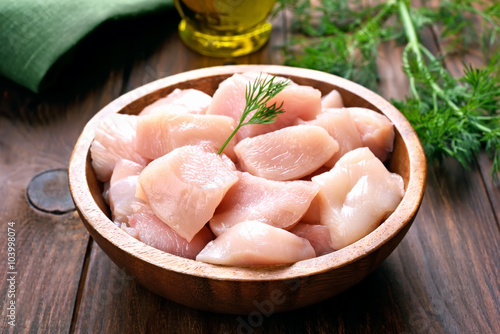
(444, 277)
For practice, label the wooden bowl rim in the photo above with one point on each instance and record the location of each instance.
(403, 215)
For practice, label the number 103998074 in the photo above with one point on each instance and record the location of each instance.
(11, 247)
(11, 273)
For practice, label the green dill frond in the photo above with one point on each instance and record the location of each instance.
(257, 95)
(257, 109)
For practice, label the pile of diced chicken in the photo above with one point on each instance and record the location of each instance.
(309, 184)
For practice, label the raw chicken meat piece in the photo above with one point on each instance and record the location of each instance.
(185, 186)
(130, 230)
(251, 197)
(189, 100)
(332, 100)
(125, 168)
(286, 154)
(254, 243)
(160, 133)
(302, 102)
(318, 236)
(105, 192)
(376, 130)
(298, 102)
(122, 189)
(339, 124)
(115, 139)
(229, 98)
(356, 196)
(155, 233)
(312, 215)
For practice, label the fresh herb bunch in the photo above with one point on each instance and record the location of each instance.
(452, 117)
(455, 117)
(335, 38)
(257, 95)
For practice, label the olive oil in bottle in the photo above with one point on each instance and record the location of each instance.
(224, 28)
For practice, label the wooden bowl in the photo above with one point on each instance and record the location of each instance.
(241, 290)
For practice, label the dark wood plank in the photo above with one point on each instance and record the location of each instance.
(453, 248)
(492, 184)
(114, 303)
(37, 133)
(117, 304)
(454, 62)
(450, 260)
(393, 83)
(441, 277)
(483, 161)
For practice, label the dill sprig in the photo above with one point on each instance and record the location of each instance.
(455, 117)
(257, 95)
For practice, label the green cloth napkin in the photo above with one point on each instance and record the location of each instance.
(34, 34)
